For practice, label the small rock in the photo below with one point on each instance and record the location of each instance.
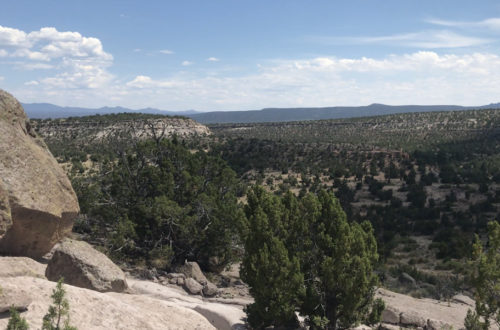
(391, 315)
(210, 289)
(14, 297)
(192, 286)
(180, 281)
(405, 278)
(175, 275)
(463, 299)
(412, 319)
(387, 326)
(192, 269)
(172, 281)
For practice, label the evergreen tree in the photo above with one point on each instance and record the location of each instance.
(485, 279)
(53, 320)
(274, 277)
(304, 255)
(339, 269)
(16, 322)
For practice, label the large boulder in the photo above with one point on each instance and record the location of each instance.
(37, 202)
(83, 266)
(192, 269)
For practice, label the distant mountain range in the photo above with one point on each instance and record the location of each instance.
(47, 110)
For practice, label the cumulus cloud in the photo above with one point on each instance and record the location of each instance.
(48, 43)
(213, 59)
(78, 61)
(166, 51)
(186, 63)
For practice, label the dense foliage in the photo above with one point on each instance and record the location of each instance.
(161, 202)
(303, 254)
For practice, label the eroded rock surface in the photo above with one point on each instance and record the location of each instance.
(37, 202)
(83, 266)
(21, 266)
(91, 310)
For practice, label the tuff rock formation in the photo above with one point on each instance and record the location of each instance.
(83, 266)
(37, 202)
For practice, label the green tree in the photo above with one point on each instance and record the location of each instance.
(274, 277)
(485, 279)
(304, 255)
(16, 322)
(53, 320)
(163, 203)
(339, 268)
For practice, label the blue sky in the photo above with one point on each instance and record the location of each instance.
(235, 55)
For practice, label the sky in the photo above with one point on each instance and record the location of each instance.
(212, 55)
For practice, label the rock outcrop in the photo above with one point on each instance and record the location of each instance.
(83, 266)
(37, 202)
(83, 130)
(91, 310)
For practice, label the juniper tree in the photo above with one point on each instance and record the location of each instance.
(16, 322)
(274, 277)
(338, 268)
(485, 279)
(304, 255)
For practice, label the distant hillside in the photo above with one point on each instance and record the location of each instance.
(300, 114)
(46, 110)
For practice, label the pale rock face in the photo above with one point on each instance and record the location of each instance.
(12, 296)
(37, 202)
(83, 266)
(20, 266)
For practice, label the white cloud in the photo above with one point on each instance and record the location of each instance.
(432, 39)
(32, 83)
(186, 63)
(1, 78)
(420, 78)
(490, 23)
(213, 59)
(423, 77)
(12, 37)
(78, 61)
(137, 50)
(33, 66)
(166, 51)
